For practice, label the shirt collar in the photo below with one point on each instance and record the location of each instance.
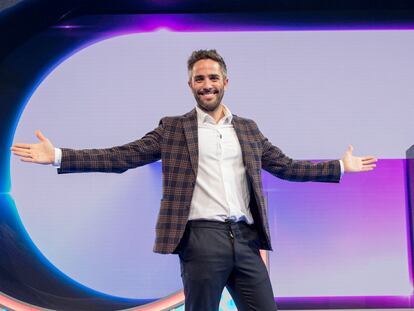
(203, 117)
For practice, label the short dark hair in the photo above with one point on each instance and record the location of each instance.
(206, 54)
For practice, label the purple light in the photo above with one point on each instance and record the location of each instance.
(68, 27)
(222, 23)
(360, 256)
(345, 302)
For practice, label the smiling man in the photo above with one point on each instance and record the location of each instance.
(208, 81)
(213, 212)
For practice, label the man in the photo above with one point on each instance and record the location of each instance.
(213, 212)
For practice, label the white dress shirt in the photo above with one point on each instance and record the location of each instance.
(221, 190)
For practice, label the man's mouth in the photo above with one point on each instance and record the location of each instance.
(208, 94)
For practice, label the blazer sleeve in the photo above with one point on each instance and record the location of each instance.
(278, 164)
(116, 159)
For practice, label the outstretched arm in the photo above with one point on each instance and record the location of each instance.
(41, 153)
(353, 164)
(278, 164)
(110, 160)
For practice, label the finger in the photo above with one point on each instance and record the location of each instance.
(27, 160)
(369, 160)
(368, 157)
(22, 154)
(40, 136)
(368, 167)
(25, 146)
(19, 149)
(350, 149)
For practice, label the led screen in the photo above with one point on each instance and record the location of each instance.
(311, 93)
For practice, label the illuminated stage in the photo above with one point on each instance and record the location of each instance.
(100, 79)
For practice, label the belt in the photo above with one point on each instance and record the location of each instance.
(229, 225)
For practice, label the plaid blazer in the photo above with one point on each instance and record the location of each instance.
(175, 142)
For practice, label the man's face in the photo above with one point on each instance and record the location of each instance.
(208, 84)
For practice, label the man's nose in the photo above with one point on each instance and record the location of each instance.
(207, 84)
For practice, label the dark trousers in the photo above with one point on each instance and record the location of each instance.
(214, 255)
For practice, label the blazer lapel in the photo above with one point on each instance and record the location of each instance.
(191, 134)
(242, 135)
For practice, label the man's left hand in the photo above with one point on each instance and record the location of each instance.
(357, 164)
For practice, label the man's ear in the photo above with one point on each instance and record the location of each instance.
(226, 82)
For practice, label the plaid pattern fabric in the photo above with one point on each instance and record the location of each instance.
(175, 142)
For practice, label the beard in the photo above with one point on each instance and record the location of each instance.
(209, 106)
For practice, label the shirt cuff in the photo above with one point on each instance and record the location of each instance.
(58, 157)
(341, 163)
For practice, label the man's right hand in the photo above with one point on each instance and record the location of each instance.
(41, 153)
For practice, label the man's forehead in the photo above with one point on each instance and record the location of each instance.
(206, 64)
